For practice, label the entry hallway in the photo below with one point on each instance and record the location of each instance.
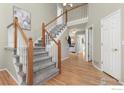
(76, 71)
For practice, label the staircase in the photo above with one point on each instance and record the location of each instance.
(43, 67)
(33, 63)
(57, 30)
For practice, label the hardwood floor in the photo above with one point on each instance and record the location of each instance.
(76, 71)
(6, 79)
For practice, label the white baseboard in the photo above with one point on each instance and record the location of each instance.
(96, 66)
(121, 82)
(101, 70)
(64, 58)
(10, 75)
(2, 69)
(78, 21)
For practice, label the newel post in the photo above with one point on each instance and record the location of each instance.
(30, 62)
(43, 34)
(15, 21)
(59, 56)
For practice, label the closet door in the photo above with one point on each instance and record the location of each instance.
(111, 44)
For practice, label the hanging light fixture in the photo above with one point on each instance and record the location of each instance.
(64, 4)
(69, 4)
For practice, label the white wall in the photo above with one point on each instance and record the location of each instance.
(59, 12)
(78, 13)
(39, 13)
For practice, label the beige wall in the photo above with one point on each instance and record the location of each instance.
(78, 13)
(39, 13)
(96, 12)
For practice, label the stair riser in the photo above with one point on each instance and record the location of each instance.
(40, 55)
(50, 77)
(38, 50)
(44, 70)
(41, 79)
(42, 61)
(38, 45)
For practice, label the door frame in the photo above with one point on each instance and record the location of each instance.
(86, 44)
(119, 10)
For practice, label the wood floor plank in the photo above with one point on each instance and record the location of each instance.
(76, 71)
(6, 79)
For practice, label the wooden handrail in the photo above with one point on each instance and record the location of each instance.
(51, 37)
(54, 19)
(10, 25)
(29, 44)
(44, 30)
(64, 13)
(59, 50)
(23, 34)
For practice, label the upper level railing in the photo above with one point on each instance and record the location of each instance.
(28, 44)
(65, 13)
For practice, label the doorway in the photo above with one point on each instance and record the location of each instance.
(111, 44)
(89, 44)
(80, 43)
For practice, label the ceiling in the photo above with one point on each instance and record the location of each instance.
(68, 5)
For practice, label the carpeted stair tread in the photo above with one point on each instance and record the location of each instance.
(43, 77)
(45, 65)
(40, 52)
(42, 59)
(39, 47)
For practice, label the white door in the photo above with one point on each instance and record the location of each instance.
(111, 44)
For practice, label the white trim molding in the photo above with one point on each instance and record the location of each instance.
(121, 82)
(78, 21)
(96, 67)
(64, 58)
